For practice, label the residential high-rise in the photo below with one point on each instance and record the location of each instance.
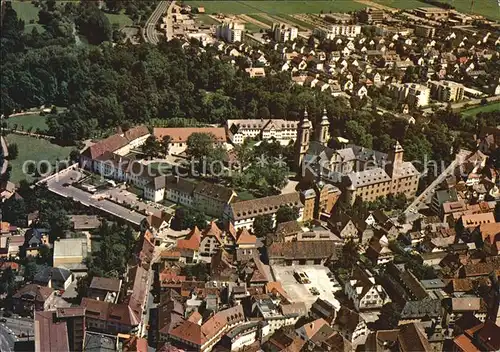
(447, 90)
(283, 32)
(231, 32)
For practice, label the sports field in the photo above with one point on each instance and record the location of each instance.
(276, 6)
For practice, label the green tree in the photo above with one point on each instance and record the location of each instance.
(8, 281)
(200, 145)
(186, 218)
(349, 255)
(390, 313)
(286, 213)
(165, 144)
(93, 23)
(151, 147)
(14, 211)
(262, 225)
(13, 151)
(30, 270)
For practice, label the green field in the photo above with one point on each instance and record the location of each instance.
(483, 108)
(402, 4)
(207, 19)
(277, 6)
(31, 148)
(261, 19)
(26, 121)
(487, 8)
(297, 22)
(26, 11)
(120, 19)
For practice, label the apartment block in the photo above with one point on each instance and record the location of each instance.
(231, 32)
(284, 33)
(446, 90)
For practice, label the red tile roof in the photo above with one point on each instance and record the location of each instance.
(246, 238)
(109, 144)
(192, 240)
(50, 335)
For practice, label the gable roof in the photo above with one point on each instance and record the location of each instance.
(245, 237)
(262, 206)
(412, 338)
(39, 293)
(105, 283)
(303, 250)
(181, 134)
(192, 240)
(212, 190)
(50, 273)
(109, 144)
(136, 132)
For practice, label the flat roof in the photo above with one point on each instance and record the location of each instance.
(70, 247)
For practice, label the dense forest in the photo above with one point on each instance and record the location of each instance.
(108, 84)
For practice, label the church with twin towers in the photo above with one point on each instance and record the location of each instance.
(356, 170)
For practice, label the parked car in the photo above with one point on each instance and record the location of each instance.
(3, 320)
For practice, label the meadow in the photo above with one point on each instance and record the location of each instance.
(276, 6)
(31, 148)
(23, 122)
(483, 108)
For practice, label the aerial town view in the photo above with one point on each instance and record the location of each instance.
(266, 175)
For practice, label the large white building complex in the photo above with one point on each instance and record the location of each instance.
(334, 30)
(231, 32)
(284, 33)
(413, 94)
(282, 131)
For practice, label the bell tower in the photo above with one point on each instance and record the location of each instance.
(324, 130)
(303, 138)
(395, 158)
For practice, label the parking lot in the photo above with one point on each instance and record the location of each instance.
(317, 274)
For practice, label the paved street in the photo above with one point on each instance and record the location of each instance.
(7, 339)
(423, 197)
(151, 34)
(56, 185)
(11, 330)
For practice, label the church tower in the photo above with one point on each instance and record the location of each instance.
(303, 138)
(394, 158)
(324, 130)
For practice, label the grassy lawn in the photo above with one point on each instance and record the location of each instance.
(121, 19)
(31, 120)
(206, 19)
(277, 6)
(261, 19)
(26, 11)
(402, 4)
(486, 8)
(35, 149)
(245, 195)
(297, 22)
(253, 28)
(483, 108)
